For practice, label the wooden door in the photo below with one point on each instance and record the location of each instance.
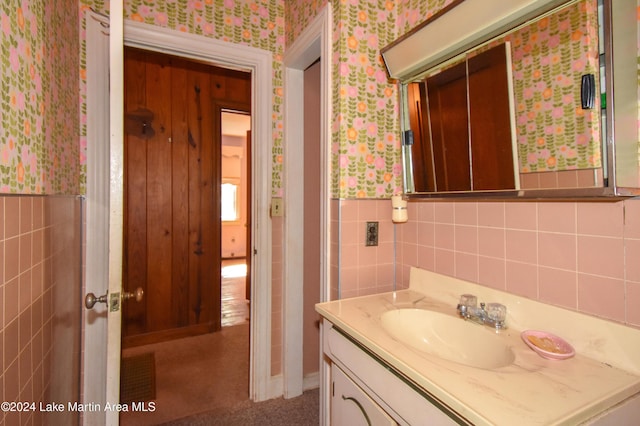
(469, 118)
(447, 93)
(172, 192)
(490, 120)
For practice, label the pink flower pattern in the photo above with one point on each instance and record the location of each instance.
(43, 138)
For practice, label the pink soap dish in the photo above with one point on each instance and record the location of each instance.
(547, 345)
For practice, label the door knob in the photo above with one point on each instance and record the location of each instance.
(137, 294)
(90, 300)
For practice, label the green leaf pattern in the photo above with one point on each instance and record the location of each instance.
(43, 135)
(553, 131)
(39, 144)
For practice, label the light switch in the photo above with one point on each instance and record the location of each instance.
(276, 207)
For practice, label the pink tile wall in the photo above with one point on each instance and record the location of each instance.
(581, 256)
(26, 300)
(334, 249)
(362, 269)
(276, 295)
(40, 340)
(62, 221)
(562, 179)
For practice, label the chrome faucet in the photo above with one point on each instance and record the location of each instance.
(492, 315)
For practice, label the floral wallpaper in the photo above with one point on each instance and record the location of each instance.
(43, 142)
(549, 58)
(298, 15)
(365, 138)
(366, 158)
(39, 97)
(413, 12)
(365, 144)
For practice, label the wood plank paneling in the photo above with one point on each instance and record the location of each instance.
(172, 181)
(135, 225)
(180, 189)
(198, 86)
(159, 197)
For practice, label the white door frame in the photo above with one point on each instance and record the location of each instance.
(313, 43)
(105, 191)
(259, 62)
(116, 206)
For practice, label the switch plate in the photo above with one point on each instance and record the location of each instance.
(372, 234)
(276, 207)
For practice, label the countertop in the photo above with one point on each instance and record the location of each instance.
(532, 390)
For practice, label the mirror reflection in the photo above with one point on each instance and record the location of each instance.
(522, 111)
(476, 156)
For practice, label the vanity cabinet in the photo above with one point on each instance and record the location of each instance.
(351, 406)
(381, 392)
(418, 385)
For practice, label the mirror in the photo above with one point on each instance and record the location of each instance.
(554, 125)
(479, 156)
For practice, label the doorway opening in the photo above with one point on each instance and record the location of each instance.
(177, 162)
(234, 201)
(101, 346)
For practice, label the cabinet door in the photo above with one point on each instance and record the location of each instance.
(350, 406)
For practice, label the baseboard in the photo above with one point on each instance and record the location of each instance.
(274, 387)
(276, 383)
(311, 381)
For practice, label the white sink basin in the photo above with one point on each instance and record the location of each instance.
(448, 338)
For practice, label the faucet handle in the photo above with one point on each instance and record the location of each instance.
(497, 313)
(468, 300)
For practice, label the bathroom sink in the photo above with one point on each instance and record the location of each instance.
(448, 337)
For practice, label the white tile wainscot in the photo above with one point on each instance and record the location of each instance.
(599, 385)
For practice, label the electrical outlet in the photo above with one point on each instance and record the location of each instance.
(372, 234)
(276, 207)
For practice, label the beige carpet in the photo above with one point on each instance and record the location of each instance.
(197, 374)
(301, 411)
(204, 380)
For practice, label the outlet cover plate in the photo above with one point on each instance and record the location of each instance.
(372, 234)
